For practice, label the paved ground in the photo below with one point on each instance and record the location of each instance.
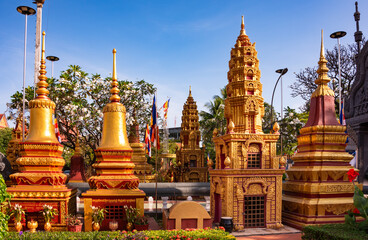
(293, 236)
(266, 231)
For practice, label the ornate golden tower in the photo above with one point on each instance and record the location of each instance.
(142, 169)
(246, 183)
(12, 153)
(115, 185)
(40, 179)
(318, 190)
(190, 157)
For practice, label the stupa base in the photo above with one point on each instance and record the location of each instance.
(299, 213)
(113, 200)
(32, 198)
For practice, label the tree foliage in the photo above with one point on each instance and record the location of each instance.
(304, 84)
(290, 126)
(5, 137)
(211, 119)
(4, 204)
(80, 98)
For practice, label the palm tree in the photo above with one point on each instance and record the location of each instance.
(211, 119)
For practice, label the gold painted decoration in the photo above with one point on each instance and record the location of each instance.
(40, 179)
(115, 184)
(190, 157)
(318, 190)
(244, 153)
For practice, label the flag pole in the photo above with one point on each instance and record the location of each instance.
(156, 133)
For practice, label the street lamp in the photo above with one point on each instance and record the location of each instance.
(282, 72)
(25, 11)
(339, 35)
(52, 59)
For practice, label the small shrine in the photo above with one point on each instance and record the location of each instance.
(142, 169)
(40, 179)
(12, 152)
(115, 185)
(186, 214)
(191, 165)
(318, 190)
(246, 183)
(77, 171)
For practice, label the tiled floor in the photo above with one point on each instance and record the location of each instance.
(265, 231)
(293, 236)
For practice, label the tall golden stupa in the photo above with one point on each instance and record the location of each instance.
(142, 169)
(115, 185)
(12, 152)
(40, 179)
(246, 183)
(190, 157)
(318, 190)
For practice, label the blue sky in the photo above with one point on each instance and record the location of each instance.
(174, 44)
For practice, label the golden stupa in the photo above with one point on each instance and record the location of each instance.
(246, 183)
(115, 185)
(190, 157)
(12, 152)
(318, 190)
(142, 169)
(40, 179)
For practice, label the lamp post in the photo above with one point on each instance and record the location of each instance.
(25, 11)
(52, 59)
(339, 35)
(282, 72)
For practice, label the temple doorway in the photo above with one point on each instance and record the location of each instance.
(254, 211)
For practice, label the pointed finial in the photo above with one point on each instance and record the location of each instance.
(322, 54)
(42, 91)
(242, 31)
(114, 65)
(323, 79)
(114, 90)
(190, 91)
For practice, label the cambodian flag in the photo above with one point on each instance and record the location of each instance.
(342, 114)
(148, 141)
(166, 107)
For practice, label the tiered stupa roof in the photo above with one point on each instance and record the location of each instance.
(244, 108)
(318, 190)
(114, 167)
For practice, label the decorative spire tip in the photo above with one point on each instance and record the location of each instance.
(114, 84)
(242, 30)
(322, 55)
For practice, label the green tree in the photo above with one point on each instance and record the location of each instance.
(290, 126)
(267, 121)
(304, 84)
(5, 137)
(4, 204)
(80, 99)
(211, 119)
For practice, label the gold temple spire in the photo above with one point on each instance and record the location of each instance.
(42, 91)
(242, 31)
(77, 150)
(190, 91)
(322, 71)
(114, 90)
